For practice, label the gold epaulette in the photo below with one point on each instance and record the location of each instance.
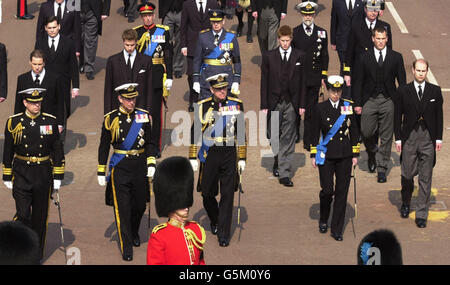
(110, 113)
(143, 110)
(235, 99)
(348, 100)
(15, 115)
(230, 31)
(49, 115)
(135, 28)
(159, 227)
(163, 27)
(204, 100)
(204, 31)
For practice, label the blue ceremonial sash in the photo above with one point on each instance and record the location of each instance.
(152, 46)
(203, 152)
(216, 52)
(126, 145)
(321, 147)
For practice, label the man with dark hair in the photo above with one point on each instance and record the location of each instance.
(178, 241)
(19, 245)
(374, 92)
(53, 102)
(379, 247)
(3, 73)
(418, 126)
(125, 67)
(283, 91)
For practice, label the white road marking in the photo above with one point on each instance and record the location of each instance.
(397, 18)
(430, 75)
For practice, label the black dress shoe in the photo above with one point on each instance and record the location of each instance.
(337, 237)
(223, 242)
(275, 172)
(130, 19)
(297, 138)
(26, 17)
(323, 227)
(81, 69)
(136, 241)
(421, 223)
(249, 39)
(158, 154)
(371, 162)
(404, 211)
(381, 177)
(214, 229)
(127, 257)
(286, 181)
(178, 74)
(191, 108)
(90, 75)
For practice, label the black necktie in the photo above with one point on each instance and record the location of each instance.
(52, 47)
(130, 69)
(371, 26)
(308, 30)
(420, 92)
(380, 59)
(350, 7)
(58, 13)
(201, 9)
(216, 40)
(36, 81)
(285, 57)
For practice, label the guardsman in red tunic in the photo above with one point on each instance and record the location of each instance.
(179, 241)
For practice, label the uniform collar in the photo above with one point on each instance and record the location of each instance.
(177, 223)
(32, 116)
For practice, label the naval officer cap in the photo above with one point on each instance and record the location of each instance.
(373, 5)
(335, 82)
(33, 94)
(307, 7)
(218, 81)
(128, 90)
(146, 8)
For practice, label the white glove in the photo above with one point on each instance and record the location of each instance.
(56, 184)
(151, 171)
(241, 165)
(168, 84)
(8, 184)
(194, 164)
(101, 180)
(235, 88)
(196, 87)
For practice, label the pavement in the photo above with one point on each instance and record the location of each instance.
(279, 225)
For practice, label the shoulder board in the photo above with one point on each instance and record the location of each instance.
(204, 100)
(110, 113)
(135, 28)
(49, 115)
(15, 115)
(235, 99)
(348, 100)
(163, 27)
(230, 31)
(204, 31)
(142, 110)
(159, 227)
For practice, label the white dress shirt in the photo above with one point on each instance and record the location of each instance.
(416, 85)
(373, 23)
(55, 8)
(312, 28)
(55, 43)
(132, 58)
(41, 76)
(289, 50)
(377, 53)
(347, 2)
(203, 4)
(334, 104)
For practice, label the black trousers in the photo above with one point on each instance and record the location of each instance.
(156, 112)
(341, 168)
(32, 187)
(312, 98)
(219, 169)
(193, 96)
(129, 183)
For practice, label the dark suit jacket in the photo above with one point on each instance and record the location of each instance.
(280, 6)
(53, 102)
(64, 63)
(164, 6)
(360, 40)
(70, 23)
(99, 7)
(116, 75)
(271, 73)
(3, 72)
(316, 53)
(408, 110)
(364, 79)
(192, 23)
(341, 22)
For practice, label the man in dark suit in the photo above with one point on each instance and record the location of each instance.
(60, 58)
(312, 40)
(268, 13)
(93, 13)
(3, 73)
(53, 102)
(69, 20)
(194, 18)
(418, 128)
(128, 66)
(373, 91)
(283, 91)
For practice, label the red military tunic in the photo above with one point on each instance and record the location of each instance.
(173, 243)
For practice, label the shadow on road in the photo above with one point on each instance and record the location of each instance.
(54, 242)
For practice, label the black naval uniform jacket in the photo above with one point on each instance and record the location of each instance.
(345, 143)
(315, 48)
(229, 60)
(115, 128)
(162, 57)
(30, 142)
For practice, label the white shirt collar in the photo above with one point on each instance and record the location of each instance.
(41, 75)
(289, 50)
(56, 41)
(55, 7)
(368, 23)
(334, 104)
(416, 85)
(377, 52)
(219, 33)
(348, 1)
(312, 27)
(203, 4)
(133, 56)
